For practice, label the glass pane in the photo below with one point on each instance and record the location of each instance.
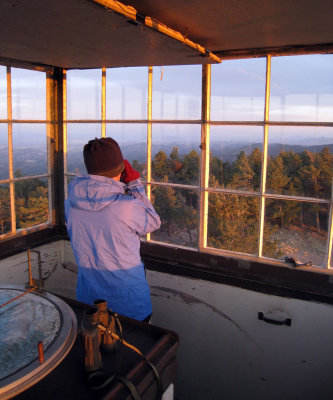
(302, 88)
(5, 224)
(4, 170)
(126, 93)
(238, 90)
(31, 202)
(233, 222)
(236, 157)
(176, 153)
(29, 149)
(177, 92)
(300, 161)
(296, 229)
(77, 136)
(178, 210)
(28, 94)
(3, 92)
(132, 139)
(84, 91)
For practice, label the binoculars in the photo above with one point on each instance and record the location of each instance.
(97, 326)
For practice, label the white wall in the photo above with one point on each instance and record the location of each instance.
(58, 266)
(225, 351)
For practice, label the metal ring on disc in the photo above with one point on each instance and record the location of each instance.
(24, 322)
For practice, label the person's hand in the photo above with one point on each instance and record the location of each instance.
(129, 174)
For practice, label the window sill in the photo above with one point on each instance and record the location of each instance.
(267, 276)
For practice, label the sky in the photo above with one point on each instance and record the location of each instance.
(301, 90)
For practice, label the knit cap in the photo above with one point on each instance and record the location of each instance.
(103, 157)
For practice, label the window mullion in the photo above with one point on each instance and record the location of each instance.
(50, 139)
(103, 101)
(204, 171)
(330, 234)
(264, 159)
(10, 151)
(64, 114)
(149, 132)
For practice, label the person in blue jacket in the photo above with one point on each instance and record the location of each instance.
(106, 213)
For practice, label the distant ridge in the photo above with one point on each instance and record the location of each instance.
(32, 160)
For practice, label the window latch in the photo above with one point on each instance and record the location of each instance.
(293, 261)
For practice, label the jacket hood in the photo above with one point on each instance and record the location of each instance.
(93, 192)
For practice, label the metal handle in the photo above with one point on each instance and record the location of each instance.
(262, 317)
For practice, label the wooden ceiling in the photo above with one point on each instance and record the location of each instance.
(83, 34)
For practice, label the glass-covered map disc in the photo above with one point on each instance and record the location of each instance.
(25, 322)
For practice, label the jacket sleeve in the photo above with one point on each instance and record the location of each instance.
(144, 219)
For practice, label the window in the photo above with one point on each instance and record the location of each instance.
(25, 176)
(251, 175)
(278, 146)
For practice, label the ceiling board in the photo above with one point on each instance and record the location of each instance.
(81, 34)
(221, 25)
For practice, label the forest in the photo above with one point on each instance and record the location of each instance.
(233, 217)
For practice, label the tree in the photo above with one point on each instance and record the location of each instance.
(216, 172)
(255, 161)
(243, 173)
(189, 172)
(277, 180)
(35, 211)
(5, 223)
(175, 164)
(174, 155)
(187, 218)
(165, 204)
(292, 165)
(139, 167)
(160, 166)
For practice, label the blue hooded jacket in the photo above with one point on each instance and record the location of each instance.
(105, 219)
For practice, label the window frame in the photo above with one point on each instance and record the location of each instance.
(12, 180)
(203, 187)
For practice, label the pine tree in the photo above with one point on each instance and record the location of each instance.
(5, 224)
(233, 222)
(166, 206)
(33, 212)
(255, 161)
(189, 173)
(160, 166)
(277, 180)
(215, 172)
(243, 173)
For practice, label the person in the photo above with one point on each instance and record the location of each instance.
(106, 212)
